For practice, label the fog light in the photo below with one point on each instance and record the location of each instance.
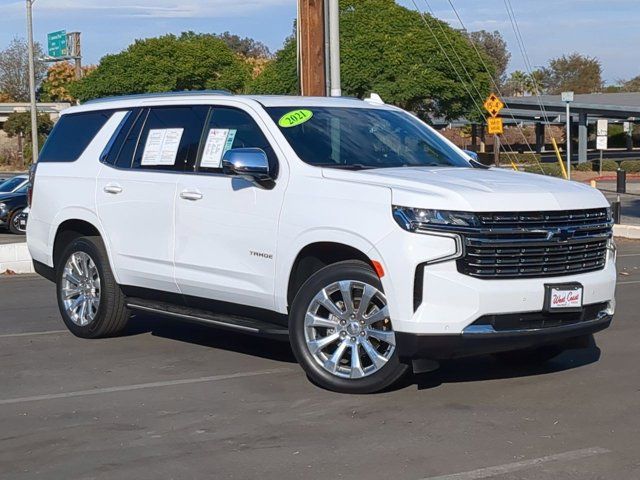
(611, 307)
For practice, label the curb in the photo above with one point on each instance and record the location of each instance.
(627, 231)
(15, 257)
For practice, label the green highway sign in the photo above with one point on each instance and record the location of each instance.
(57, 43)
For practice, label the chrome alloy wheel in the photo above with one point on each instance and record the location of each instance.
(348, 331)
(80, 289)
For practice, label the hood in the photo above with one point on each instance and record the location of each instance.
(475, 189)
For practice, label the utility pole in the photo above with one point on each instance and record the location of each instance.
(567, 97)
(32, 84)
(75, 51)
(334, 47)
(311, 38)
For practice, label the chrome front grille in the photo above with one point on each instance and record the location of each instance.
(536, 244)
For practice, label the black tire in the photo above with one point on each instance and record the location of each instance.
(112, 314)
(12, 220)
(353, 270)
(530, 356)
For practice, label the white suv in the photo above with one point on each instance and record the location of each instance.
(350, 228)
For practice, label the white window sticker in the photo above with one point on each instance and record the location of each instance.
(162, 146)
(219, 141)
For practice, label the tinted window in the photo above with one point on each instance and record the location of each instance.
(363, 138)
(114, 148)
(11, 184)
(71, 136)
(170, 138)
(240, 131)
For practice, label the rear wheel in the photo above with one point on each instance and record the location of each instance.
(529, 356)
(341, 332)
(90, 301)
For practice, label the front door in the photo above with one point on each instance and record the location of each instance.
(226, 227)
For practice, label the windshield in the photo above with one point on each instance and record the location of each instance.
(11, 184)
(361, 138)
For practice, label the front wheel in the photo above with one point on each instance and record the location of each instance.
(341, 332)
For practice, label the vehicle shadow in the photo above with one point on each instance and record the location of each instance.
(206, 336)
(476, 369)
(464, 370)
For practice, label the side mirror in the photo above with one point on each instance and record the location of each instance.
(249, 163)
(472, 154)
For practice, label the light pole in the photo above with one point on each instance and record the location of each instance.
(32, 84)
(567, 97)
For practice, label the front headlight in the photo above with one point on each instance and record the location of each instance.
(3, 210)
(416, 219)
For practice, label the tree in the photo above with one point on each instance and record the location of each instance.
(573, 73)
(14, 69)
(280, 76)
(494, 46)
(60, 76)
(18, 124)
(632, 85)
(247, 47)
(388, 49)
(518, 84)
(190, 61)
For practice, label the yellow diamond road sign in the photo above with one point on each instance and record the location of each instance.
(493, 105)
(495, 126)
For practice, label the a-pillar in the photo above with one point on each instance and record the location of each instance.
(582, 137)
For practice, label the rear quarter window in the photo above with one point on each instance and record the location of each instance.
(71, 136)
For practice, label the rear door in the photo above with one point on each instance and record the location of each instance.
(226, 227)
(136, 191)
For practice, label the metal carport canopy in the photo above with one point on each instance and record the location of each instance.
(623, 106)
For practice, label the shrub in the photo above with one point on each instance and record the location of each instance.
(584, 167)
(631, 166)
(607, 165)
(551, 169)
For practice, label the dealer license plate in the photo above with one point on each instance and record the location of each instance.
(563, 297)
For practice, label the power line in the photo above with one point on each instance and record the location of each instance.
(493, 81)
(473, 98)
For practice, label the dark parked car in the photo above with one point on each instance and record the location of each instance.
(12, 205)
(13, 183)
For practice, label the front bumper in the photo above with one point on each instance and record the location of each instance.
(478, 341)
(429, 296)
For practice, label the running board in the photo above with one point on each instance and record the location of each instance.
(230, 322)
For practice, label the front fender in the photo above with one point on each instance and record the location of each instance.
(288, 255)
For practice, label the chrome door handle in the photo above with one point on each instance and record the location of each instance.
(191, 195)
(113, 189)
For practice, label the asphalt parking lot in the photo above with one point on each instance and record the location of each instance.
(173, 400)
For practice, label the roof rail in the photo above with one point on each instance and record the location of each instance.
(158, 95)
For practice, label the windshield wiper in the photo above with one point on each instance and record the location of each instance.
(344, 166)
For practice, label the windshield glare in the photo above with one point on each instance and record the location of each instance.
(364, 138)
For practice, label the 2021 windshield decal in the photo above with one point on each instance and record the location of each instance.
(295, 118)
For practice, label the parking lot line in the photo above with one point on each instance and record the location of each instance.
(516, 466)
(28, 334)
(141, 386)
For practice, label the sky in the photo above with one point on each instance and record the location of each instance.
(606, 29)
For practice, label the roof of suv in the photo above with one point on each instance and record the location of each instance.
(130, 101)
